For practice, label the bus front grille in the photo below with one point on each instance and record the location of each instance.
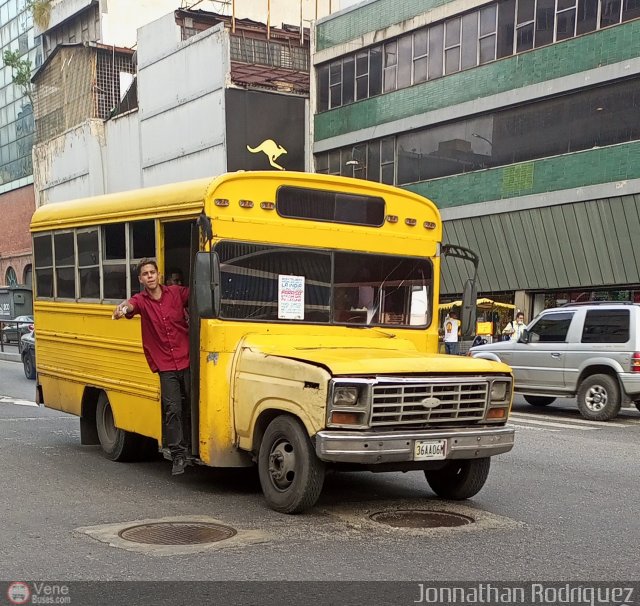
(423, 404)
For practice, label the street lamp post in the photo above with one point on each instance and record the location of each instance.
(477, 136)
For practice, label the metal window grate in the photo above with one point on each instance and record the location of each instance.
(77, 84)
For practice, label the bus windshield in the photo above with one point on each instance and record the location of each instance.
(266, 283)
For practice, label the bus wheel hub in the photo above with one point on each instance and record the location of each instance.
(282, 464)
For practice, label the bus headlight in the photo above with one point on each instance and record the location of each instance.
(499, 391)
(349, 403)
(345, 396)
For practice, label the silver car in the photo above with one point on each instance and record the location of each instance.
(589, 351)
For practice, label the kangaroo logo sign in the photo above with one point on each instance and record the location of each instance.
(265, 131)
(271, 149)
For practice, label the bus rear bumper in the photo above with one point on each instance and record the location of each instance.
(389, 447)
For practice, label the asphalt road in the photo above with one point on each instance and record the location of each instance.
(563, 505)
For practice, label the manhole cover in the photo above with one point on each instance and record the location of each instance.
(177, 533)
(419, 518)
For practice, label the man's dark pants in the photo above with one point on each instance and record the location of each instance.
(176, 411)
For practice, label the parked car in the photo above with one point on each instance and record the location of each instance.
(28, 354)
(590, 351)
(14, 329)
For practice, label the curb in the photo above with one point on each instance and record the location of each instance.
(10, 357)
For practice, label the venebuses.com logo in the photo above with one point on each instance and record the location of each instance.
(18, 593)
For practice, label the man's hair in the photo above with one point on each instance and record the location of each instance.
(144, 262)
(520, 313)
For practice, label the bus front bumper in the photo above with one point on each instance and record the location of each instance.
(368, 447)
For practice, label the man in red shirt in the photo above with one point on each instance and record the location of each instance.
(165, 340)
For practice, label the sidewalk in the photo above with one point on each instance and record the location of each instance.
(10, 356)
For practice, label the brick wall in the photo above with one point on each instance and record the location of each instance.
(16, 208)
(590, 51)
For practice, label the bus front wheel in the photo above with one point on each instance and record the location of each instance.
(117, 444)
(459, 479)
(291, 475)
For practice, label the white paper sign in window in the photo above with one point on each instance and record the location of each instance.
(290, 297)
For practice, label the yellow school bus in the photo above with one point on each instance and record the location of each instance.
(313, 331)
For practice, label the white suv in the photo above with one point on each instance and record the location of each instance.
(590, 351)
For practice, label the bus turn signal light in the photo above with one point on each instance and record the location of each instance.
(496, 413)
(345, 418)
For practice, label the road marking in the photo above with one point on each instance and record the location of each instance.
(10, 400)
(532, 428)
(579, 421)
(551, 423)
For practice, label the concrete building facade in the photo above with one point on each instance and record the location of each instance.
(517, 117)
(205, 94)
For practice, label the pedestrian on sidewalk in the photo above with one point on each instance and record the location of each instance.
(515, 328)
(451, 328)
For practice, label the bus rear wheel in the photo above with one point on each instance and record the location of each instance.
(117, 444)
(291, 475)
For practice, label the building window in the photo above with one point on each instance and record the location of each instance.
(362, 75)
(630, 9)
(595, 117)
(322, 75)
(390, 66)
(10, 278)
(405, 61)
(348, 80)
(545, 22)
(610, 12)
(525, 12)
(565, 19)
(387, 160)
(335, 84)
(478, 37)
(587, 16)
(487, 35)
(420, 56)
(452, 46)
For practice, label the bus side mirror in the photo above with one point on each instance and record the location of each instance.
(468, 316)
(206, 285)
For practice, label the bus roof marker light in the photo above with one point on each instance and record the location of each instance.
(267, 205)
(429, 225)
(246, 203)
(411, 222)
(391, 218)
(221, 202)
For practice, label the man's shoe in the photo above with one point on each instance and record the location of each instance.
(179, 464)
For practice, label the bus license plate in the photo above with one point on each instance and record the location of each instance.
(429, 450)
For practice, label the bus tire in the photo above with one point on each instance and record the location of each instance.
(291, 475)
(460, 478)
(117, 444)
